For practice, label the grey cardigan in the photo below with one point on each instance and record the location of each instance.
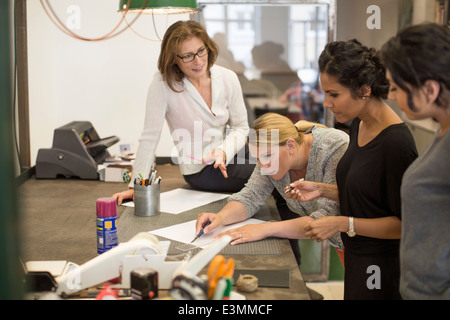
(327, 149)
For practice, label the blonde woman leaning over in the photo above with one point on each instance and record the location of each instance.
(285, 153)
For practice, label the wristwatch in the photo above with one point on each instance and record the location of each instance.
(351, 229)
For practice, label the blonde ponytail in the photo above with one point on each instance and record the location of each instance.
(304, 125)
(276, 129)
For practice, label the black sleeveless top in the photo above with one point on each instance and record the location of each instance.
(369, 180)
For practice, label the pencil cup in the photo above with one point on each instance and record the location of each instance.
(146, 200)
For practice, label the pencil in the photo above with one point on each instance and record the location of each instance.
(290, 188)
(207, 162)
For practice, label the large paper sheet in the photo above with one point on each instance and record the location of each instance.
(180, 200)
(185, 232)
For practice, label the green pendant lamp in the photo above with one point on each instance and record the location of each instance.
(159, 6)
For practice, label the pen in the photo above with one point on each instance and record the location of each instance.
(219, 292)
(152, 176)
(142, 181)
(207, 162)
(290, 188)
(201, 231)
(227, 291)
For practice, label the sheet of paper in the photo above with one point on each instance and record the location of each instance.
(180, 200)
(185, 232)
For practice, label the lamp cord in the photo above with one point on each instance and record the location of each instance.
(109, 35)
(144, 37)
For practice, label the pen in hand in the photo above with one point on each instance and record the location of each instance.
(207, 162)
(290, 188)
(201, 231)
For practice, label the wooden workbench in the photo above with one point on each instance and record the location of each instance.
(58, 223)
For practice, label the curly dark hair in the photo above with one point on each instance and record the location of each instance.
(419, 53)
(355, 65)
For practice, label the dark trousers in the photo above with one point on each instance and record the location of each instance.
(210, 179)
(359, 276)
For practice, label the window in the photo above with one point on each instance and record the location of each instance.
(274, 48)
(308, 34)
(297, 32)
(233, 28)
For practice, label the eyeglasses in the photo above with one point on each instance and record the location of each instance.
(191, 56)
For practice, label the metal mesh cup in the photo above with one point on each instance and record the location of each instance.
(146, 200)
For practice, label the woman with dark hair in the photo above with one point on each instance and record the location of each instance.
(369, 174)
(418, 63)
(204, 109)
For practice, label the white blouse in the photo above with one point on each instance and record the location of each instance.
(196, 130)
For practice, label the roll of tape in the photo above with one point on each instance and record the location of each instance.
(247, 283)
(146, 236)
(153, 249)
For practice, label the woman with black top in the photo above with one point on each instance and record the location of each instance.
(369, 174)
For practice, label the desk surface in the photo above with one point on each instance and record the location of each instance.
(58, 223)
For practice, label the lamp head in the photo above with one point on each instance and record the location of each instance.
(159, 6)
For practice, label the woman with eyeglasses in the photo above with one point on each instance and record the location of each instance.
(204, 109)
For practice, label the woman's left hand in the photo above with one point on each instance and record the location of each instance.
(219, 157)
(322, 228)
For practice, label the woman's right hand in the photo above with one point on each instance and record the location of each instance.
(204, 218)
(120, 196)
(303, 191)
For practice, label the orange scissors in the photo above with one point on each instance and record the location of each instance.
(219, 268)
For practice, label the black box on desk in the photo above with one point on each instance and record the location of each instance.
(76, 151)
